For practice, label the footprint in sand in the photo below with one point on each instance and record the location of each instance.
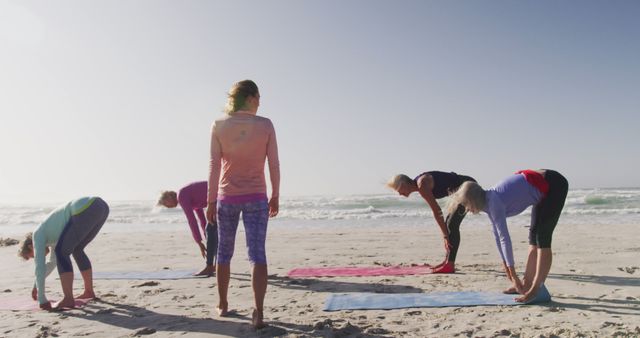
(149, 283)
(608, 324)
(156, 291)
(144, 331)
(503, 332)
(347, 330)
(182, 297)
(46, 331)
(377, 331)
(629, 269)
(321, 325)
(8, 241)
(271, 331)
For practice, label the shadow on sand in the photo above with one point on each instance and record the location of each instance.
(604, 280)
(137, 318)
(142, 321)
(329, 284)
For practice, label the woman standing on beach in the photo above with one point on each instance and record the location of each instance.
(193, 199)
(432, 185)
(241, 141)
(66, 231)
(546, 190)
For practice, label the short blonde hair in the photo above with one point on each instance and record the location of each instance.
(26, 246)
(470, 195)
(397, 181)
(238, 95)
(166, 195)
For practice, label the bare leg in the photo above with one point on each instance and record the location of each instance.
(259, 283)
(529, 270)
(207, 271)
(66, 279)
(545, 257)
(223, 275)
(87, 278)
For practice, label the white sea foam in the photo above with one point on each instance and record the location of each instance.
(590, 206)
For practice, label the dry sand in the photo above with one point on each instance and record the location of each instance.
(594, 281)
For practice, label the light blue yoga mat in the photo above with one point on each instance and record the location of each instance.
(145, 275)
(386, 301)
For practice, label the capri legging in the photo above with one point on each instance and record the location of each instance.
(453, 224)
(255, 216)
(80, 231)
(545, 214)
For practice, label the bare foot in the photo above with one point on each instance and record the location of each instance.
(207, 271)
(223, 310)
(510, 291)
(527, 297)
(65, 303)
(257, 320)
(87, 295)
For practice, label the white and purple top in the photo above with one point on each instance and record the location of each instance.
(509, 198)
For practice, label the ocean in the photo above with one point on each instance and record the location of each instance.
(600, 206)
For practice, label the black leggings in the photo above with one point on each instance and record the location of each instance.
(212, 241)
(545, 214)
(453, 224)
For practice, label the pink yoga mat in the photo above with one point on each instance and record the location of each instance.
(351, 271)
(26, 304)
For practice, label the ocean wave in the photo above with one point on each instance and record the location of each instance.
(609, 203)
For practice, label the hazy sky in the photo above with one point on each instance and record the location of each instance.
(116, 98)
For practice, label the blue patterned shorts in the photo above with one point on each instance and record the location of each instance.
(255, 216)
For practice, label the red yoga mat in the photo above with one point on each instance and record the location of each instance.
(352, 271)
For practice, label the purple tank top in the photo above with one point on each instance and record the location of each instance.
(443, 183)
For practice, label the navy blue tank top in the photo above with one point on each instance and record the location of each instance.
(443, 183)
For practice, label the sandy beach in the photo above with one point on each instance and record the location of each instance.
(594, 282)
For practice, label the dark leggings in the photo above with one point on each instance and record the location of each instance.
(80, 231)
(212, 242)
(453, 225)
(545, 214)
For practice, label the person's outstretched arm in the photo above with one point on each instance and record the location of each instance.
(191, 219)
(503, 241)
(42, 269)
(425, 187)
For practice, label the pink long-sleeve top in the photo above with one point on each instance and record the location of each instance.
(240, 144)
(193, 199)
